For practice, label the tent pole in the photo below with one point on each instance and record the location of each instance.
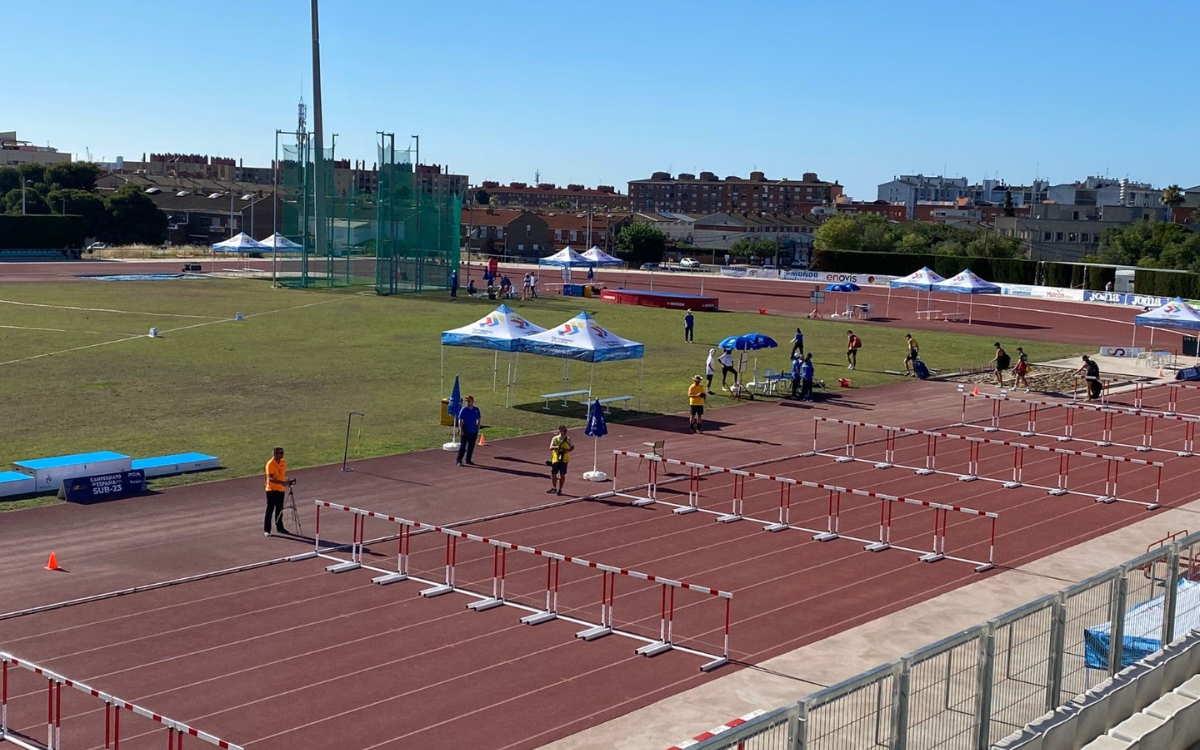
(591, 378)
(887, 311)
(641, 373)
(442, 373)
(495, 369)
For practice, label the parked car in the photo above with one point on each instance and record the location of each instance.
(649, 266)
(96, 246)
(689, 263)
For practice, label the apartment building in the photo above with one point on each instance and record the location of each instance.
(1053, 231)
(708, 194)
(549, 195)
(15, 152)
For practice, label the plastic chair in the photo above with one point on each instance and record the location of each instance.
(657, 448)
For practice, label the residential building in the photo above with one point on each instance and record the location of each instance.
(910, 189)
(1103, 191)
(1054, 231)
(583, 230)
(995, 191)
(708, 194)
(14, 152)
(546, 194)
(889, 211)
(508, 233)
(963, 213)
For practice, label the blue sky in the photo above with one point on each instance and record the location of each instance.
(601, 93)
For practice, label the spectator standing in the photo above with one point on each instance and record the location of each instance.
(468, 431)
(560, 455)
(1021, 370)
(806, 377)
(689, 321)
(709, 368)
(853, 344)
(1000, 363)
(277, 484)
(798, 344)
(526, 285)
(696, 396)
(1091, 373)
(726, 360)
(1108, 287)
(453, 284)
(911, 355)
(797, 376)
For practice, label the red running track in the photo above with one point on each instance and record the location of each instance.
(290, 656)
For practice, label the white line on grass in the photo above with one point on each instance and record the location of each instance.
(57, 330)
(104, 310)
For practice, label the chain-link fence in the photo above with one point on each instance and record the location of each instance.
(970, 690)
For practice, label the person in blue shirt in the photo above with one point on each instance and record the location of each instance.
(798, 344)
(468, 425)
(806, 378)
(797, 375)
(689, 321)
(454, 283)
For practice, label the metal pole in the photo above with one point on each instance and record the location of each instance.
(318, 135)
(346, 452)
(275, 216)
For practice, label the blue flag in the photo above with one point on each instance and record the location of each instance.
(456, 403)
(596, 427)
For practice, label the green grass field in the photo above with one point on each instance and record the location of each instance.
(79, 373)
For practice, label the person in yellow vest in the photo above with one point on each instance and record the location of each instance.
(277, 484)
(560, 454)
(696, 396)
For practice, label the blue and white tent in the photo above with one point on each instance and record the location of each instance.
(966, 282)
(1142, 631)
(281, 244)
(241, 243)
(598, 257)
(923, 280)
(583, 339)
(566, 258)
(501, 330)
(1176, 314)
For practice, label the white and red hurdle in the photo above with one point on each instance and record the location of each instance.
(497, 596)
(113, 706)
(883, 541)
(1108, 413)
(1173, 391)
(846, 452)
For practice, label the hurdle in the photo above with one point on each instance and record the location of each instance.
(1173, 391)
(974, 444)
(497, 596)
(1105, 388)
(113, 706)
(1109, 412)
(883, 539)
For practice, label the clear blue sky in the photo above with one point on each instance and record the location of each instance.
(601, 93)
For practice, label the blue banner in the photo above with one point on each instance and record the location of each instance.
(102, 487)
(1121, 298)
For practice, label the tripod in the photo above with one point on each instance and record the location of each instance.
(290, 504)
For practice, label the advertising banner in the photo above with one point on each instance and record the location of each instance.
(103, 487)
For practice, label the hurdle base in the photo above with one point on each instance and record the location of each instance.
(302, 556)
(710, 666)
(1143, 449)
(1185, 454)
(19, 743)
(843, 459)
(342, 567)
(537, 618)
(1011, 485)
(654, 649)
(931, 557)
(883, 465)
(925, 472)
(685, 510)
(775, 527)
(729, 518)
(991, 429)
(1107, 499)
(984, 568)
(827, 536)
(1057, 492)
(1103, 444)
(1063, 438)
(485, 604)
(595, 476)
(437, 591)
(967, 478)
(592, 634)
(390, 578)
(1026, 434)
(642, 502)
(877, 547)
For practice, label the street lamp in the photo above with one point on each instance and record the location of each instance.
(23, 184)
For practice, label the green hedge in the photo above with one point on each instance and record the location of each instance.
(999, 270)
(1166, 284)
(40, 232)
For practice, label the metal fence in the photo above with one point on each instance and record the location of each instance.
(970, 690)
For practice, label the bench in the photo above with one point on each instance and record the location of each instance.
(564, 395)
(614, 400)
(928, 314)
(191, 267)
(177, 463)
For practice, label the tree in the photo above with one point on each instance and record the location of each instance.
(1172, 196)
(134, 218)
(747, 247)
(72, 175)
(837, 233)
(1008, 204)
(10, 179)
(482, 198)
(640, 242)
(34, 202)
(561, 203)
(82, 203)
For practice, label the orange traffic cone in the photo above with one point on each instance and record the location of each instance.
(975, 392)
(482, 439)
(1160, 372)
(53, 564)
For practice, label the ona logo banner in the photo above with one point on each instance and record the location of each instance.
(493, 320)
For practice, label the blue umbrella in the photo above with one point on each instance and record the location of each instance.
(456, 403)
(844, 287)
(596, 428)
(749, 341)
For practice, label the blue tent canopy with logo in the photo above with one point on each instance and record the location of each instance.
(1176, 314)
(582, 339)
(501, 330)
(923, 279)
(966, 282)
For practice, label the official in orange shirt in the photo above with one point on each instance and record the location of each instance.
(696, 395)
(277, 484)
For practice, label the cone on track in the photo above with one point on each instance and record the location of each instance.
(53, 563)
(1160, 372)
(975, 392)
(482, 439)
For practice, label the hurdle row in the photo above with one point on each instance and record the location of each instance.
(554, 560)
(176, 730)
(1173, 391)
(696, 471)
(1108, 411)
(974, 444)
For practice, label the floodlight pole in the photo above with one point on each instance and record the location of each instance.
(318, 135)
(275, 215)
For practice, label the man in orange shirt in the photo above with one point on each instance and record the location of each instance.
(277, 484)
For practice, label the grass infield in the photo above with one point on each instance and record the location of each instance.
(78, 372)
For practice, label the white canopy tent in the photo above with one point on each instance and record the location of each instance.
(598, 257)
(282, 244)
(241, 243)
(923, 280)
(565, 258)
(501, 330)
(583, 339)
(966, 282)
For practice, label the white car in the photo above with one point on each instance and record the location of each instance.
(689, 263)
